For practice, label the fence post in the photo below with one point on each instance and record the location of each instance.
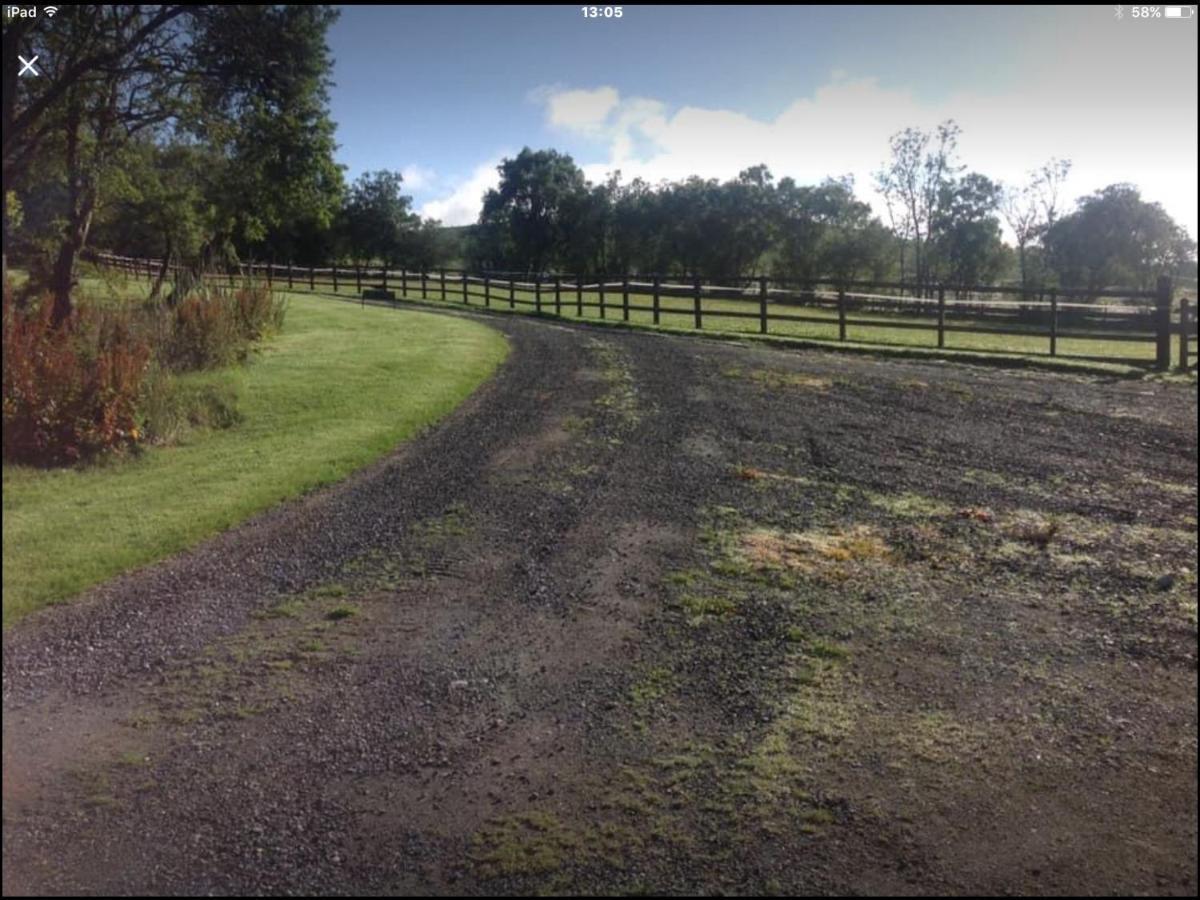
(358, 276)
(270, 273)
(557, 295)
(442, 275)
(762, 304)
(466, 302)
(657, 287)
(289, 274)
(941, 316)
(487, 290)
(579, 296)
(385, 276)
(625, 298)
(1163, 317)
(1184, 328)
(601, 296)
(512, 293)
(403, 284)
(312, 276)
(423, 279)
(334, 271)
(841, 314)
(537, 293)
(696, 301)
(1054, 321)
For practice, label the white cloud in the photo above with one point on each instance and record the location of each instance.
(461, 206)
(845, 125)
(581, 111)
(418, 177)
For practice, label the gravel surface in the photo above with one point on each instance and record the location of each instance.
(653, 614)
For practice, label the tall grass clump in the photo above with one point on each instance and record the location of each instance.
(213, 327)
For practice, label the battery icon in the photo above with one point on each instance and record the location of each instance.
(1180, 12)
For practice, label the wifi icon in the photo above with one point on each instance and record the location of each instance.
(50, 11)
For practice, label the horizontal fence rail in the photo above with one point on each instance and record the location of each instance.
(1105, 325)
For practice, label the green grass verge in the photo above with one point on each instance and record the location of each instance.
(338, 388)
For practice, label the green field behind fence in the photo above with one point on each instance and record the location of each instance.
(1119, 331)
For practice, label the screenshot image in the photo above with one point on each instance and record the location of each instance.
(681, 450)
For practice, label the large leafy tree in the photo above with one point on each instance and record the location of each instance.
(640, 229)
(588, 228)
(376, 217)
(108, 72)
(264, 81)
(965, 246)
(1114, 237)
(248, 82)
(159, 206)
(719, 230)
(537, 192)
(825, 231)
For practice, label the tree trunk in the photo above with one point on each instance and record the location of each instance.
(63, 276)
(64, 267)
(162, 272)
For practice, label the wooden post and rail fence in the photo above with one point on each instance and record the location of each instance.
(1080, 324)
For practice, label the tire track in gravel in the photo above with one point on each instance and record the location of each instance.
(465, 670)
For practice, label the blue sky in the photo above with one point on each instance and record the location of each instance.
(442, 93)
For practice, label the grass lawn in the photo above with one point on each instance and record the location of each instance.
(338, 388)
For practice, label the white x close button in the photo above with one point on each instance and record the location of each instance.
(27, 65)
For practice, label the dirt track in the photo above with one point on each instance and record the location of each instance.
(654, 614)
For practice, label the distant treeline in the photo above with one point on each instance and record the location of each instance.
(201, 135)
(943, 226)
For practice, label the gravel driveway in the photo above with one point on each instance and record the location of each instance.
(654, 614)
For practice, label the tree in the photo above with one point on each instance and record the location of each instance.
(824, 231)
(1115, 238)
(116, 63)
(898, 218)
(587, 227)
(917, 178)
(1032, 208)
(965, 246)
(264, 76)
(376, 217)
(750, 202)
(249, 82)
(158, 206)
(640, 240)
(537, 192)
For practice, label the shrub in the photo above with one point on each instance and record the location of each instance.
(203, 334)
(210, 328)
(70, 392)
(259, 312)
